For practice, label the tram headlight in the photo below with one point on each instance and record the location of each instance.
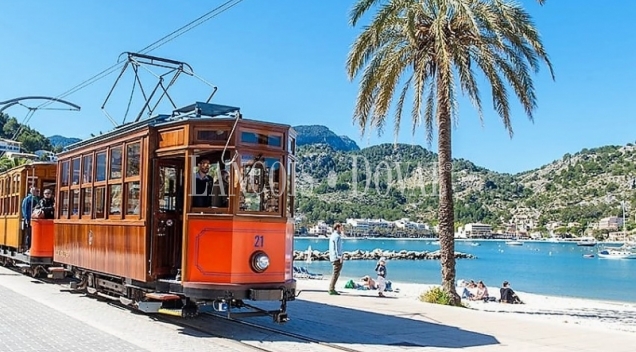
(260, 262)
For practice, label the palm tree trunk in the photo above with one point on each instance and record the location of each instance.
(446, 212)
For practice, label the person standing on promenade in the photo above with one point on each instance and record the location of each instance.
(335, 257)
(380, 268)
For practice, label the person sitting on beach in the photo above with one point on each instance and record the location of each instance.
(470, 290)
(508, 295)
(368, 283)
(482, 293)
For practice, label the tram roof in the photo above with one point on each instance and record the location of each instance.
(192, 111)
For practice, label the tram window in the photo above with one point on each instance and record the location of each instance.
(212, 135)
(133, 152)
(260, 184)
(100, 202)
(291, 187)
(76, 171)
(167, 189)
(291, 147)
(87, 201)
(64, 173)
(76, 201)
(133, 200)
(64, 203)
(115, 200)
(115, 162)
(100, 174)
(87, 169)
(271, 140)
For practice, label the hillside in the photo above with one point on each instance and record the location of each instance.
(316, 134)
(583, 187)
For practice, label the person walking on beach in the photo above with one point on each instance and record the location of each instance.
(335, 257)
(380, 268)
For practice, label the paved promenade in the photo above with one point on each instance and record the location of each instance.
(44, 317)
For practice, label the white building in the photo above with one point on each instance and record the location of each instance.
(9, 146)
(610, 223)
(321, 228)
(49, 155)
(474, 230)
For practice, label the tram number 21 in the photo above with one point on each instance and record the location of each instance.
(258, 241)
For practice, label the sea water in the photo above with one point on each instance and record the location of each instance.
(557, 269)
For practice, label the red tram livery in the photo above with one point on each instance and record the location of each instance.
(169, 215)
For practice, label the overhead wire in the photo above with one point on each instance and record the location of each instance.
(149, 48)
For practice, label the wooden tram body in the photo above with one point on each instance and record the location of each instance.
(126, 227)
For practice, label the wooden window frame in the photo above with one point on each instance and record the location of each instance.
(109, 175)
(211, 128)
(106, 166)
(290, 187)
(281, 198)
(65, 163)
(104, 201)
(266, 132)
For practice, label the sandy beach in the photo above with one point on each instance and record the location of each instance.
(593, 313)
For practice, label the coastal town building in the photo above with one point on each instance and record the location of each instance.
(371, 224)
(321, 228)
(13, 149)
(610, 223)
(9, 146)
(474, 230)
(46, 155)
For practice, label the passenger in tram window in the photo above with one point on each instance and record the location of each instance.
(221, 190)
(203, 185)
(28, 203)
(47, 204)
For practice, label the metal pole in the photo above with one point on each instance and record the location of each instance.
(623, 205)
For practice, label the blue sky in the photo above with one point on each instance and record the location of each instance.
(284, 61)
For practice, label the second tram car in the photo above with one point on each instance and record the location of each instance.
(174, 213)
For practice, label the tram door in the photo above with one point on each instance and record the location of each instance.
(166, 218)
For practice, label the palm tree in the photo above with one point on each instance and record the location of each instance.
(8, 163)
(429, 46)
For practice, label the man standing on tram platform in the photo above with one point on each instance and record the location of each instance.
(28, 203)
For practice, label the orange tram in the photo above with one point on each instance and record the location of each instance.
(175, 214)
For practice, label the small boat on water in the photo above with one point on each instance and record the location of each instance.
(586, 242)
(514, 243)
(617, 253)
(588, 255)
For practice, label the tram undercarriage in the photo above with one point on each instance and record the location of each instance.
(173, 298)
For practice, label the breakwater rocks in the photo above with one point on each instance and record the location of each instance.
(378, 253)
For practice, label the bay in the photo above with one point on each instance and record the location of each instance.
(555, 269)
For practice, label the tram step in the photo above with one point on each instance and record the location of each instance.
(57, 268)
(162, 296)
(169, 311)
(22, 265)
(57, 273)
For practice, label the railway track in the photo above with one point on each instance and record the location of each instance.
(252, 335)
(246, 334)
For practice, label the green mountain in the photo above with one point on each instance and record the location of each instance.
(396, 181)
(316, 134)
(61, 141)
